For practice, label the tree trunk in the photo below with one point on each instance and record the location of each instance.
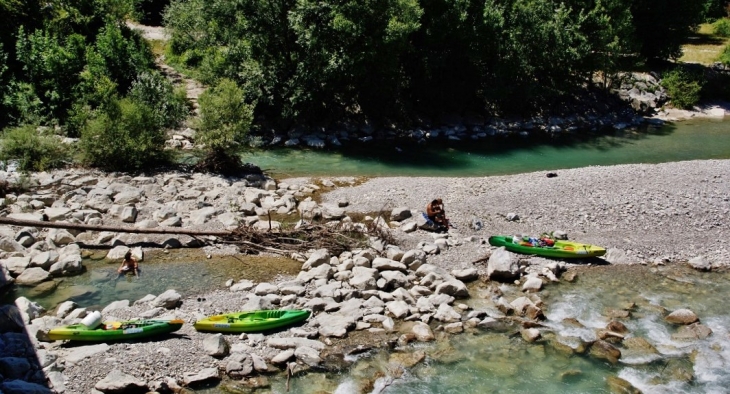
(114, 229)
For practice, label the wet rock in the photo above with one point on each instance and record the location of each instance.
(407, 360)
(454, 328)
(466, 275)
(617, 326)
(308, 355)
(532, 284)
(620, 386)
(612, 313)
(117, 382)
(693, 331)
(423, 332)
(32, 277)
(197, 378)
(530, 334)
(605, 351)
(239, 365)
(454, 287)
(682, 316)
(700, 263)
(283, 357)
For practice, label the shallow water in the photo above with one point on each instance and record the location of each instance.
(484, 361)
(689, 140)
(188, 271)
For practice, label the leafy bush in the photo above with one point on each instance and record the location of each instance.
(123, 136)
(721, 27)
(725, 55)
(33, 151)
(225, 117)
(168, 106)
(683, 87)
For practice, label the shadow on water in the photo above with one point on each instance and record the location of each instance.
(501, 155)
(20, 369)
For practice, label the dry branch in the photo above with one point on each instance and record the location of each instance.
(115, 229)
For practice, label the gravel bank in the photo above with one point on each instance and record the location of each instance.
(673, 211)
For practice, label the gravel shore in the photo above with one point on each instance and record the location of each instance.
(671, 211)
(643, 214)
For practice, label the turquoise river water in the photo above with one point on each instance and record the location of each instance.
(702, 139)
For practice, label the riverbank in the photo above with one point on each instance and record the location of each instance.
(644, 214)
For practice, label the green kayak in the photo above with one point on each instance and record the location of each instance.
(560, 249)
(115, 331)
(251, 321)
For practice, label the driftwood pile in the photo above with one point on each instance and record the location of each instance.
(284, 241)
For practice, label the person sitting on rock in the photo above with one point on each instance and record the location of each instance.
(129, 264)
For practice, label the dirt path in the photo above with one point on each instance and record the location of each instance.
(193, 88)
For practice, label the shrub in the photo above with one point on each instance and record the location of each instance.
(725, 56)
(683, 87)
(721, 27)
(169, 107)
(123, 137)
(225, 117)
(32, 150)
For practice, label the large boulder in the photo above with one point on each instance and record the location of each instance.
(216, 345)
(32, 276)
(29, 310)
(16, 265)
(317, 258)
(400, 213)
(682, 316)
(169, 299)
(503, 266)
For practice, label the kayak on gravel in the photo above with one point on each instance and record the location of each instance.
(115, 331)
(252, 321)
(546, 247)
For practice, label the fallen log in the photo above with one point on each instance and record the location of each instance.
(115, 229)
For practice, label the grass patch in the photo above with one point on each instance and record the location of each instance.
(704, 47)
(158, 47)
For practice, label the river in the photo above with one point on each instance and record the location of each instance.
(689, 140)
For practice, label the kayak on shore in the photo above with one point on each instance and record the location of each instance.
(252, 321)
(115, 331)
(558, 249)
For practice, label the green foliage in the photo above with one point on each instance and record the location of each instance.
(123, 136)
(33, 151)
(225, 117)
(168, 106)
(721, 27)
(121, 54)
(725, 56)
(683, 87)
(662, 26)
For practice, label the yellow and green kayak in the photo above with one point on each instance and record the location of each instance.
(251, 321)
(560, 249)
(115, 331)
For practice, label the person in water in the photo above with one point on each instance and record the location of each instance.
(437, 214)
(129, 264)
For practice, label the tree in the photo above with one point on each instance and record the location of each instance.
(225, 120)
(123, 136)
(661, 26)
